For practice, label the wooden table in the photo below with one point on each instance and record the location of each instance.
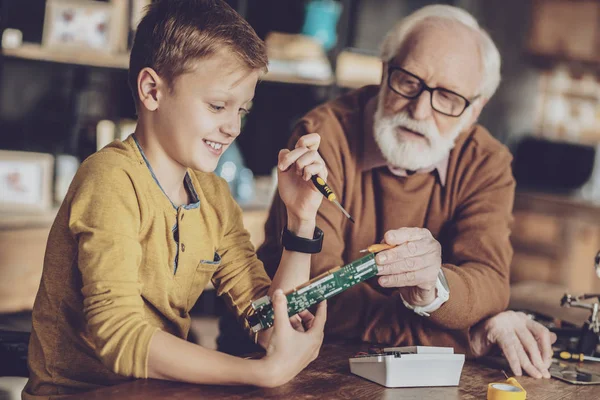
(329, 377)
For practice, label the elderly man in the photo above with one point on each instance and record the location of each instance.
(415, 170)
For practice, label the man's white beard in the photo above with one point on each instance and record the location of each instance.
(409, 154)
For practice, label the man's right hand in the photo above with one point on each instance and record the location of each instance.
(526, 344)
(290, 350)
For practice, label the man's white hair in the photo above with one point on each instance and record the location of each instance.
(489, 53)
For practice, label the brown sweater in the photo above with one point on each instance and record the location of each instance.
(468, 211)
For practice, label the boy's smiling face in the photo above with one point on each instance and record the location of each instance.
(199, 115)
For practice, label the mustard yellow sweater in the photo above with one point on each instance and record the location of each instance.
(123, 262)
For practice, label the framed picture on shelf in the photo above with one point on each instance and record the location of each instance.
(25, 181)
(84, 25)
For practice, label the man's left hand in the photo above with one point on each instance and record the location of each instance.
(526, 344)
(412, 266)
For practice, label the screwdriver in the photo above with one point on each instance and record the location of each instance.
(565, 355)
(326, 191)
(376, 248)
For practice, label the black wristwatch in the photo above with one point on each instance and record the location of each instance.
(292, 242)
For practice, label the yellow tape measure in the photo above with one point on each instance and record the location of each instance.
(509, 390)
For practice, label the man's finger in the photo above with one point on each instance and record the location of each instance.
(280, 312)
(544, 339)
(527, 365)
(403, 235)
(313, 169)
(532, 348)
(510, 353)
(410, 264)
(311, 141)
(413, 248)
(411, 278)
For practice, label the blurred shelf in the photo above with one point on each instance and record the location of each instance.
(30, 51)
(353, 84)
(272, 77)
(558, 204)
(36, 52)
(13, 220)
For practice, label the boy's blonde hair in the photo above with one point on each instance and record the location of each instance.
(173, 34)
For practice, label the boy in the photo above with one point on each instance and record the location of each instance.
(146, 224)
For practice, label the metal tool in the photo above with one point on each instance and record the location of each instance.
(326, 191)
(590, 331)
(566, 355)
(376, 248)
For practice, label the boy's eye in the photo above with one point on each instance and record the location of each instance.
(243, 111)
(216, 108)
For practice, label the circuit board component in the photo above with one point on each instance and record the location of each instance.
(319, 288)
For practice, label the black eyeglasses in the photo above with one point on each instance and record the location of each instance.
(411, 86)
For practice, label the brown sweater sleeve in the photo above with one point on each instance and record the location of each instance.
(478, 250)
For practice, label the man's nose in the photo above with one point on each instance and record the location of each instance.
(420, 108)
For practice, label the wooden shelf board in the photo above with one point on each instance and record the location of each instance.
(30, 51)
(272, 77)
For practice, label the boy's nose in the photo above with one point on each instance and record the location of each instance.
(232, 127)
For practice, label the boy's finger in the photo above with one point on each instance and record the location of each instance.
(288, 159)
(296, 323)
(310, 157)
(312, 169)
(281, 155)
(280, 313)
(307, 319)
(311, 141)
(318, 324)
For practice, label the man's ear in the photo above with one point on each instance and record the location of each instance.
(149, 87)
(477, 107)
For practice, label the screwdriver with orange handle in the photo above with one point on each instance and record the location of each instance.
(326, 191)
(376, 248)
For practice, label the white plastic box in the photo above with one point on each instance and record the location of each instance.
(415, 366)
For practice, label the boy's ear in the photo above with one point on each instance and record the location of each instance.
(149, 85)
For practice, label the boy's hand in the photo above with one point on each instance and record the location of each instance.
(295, 168)
(300, 322)
(290, 350)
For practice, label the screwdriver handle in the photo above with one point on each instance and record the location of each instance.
(565, 355)
(376, 248)
(322, 186)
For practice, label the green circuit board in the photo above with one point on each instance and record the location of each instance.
(314, 291)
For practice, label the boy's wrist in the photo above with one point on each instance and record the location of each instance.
(264, 374)
(300, 227)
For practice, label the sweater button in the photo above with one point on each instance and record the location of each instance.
(182, 247)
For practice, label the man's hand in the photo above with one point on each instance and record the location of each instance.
(526, 344)
(412, 266)
(290, 348)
